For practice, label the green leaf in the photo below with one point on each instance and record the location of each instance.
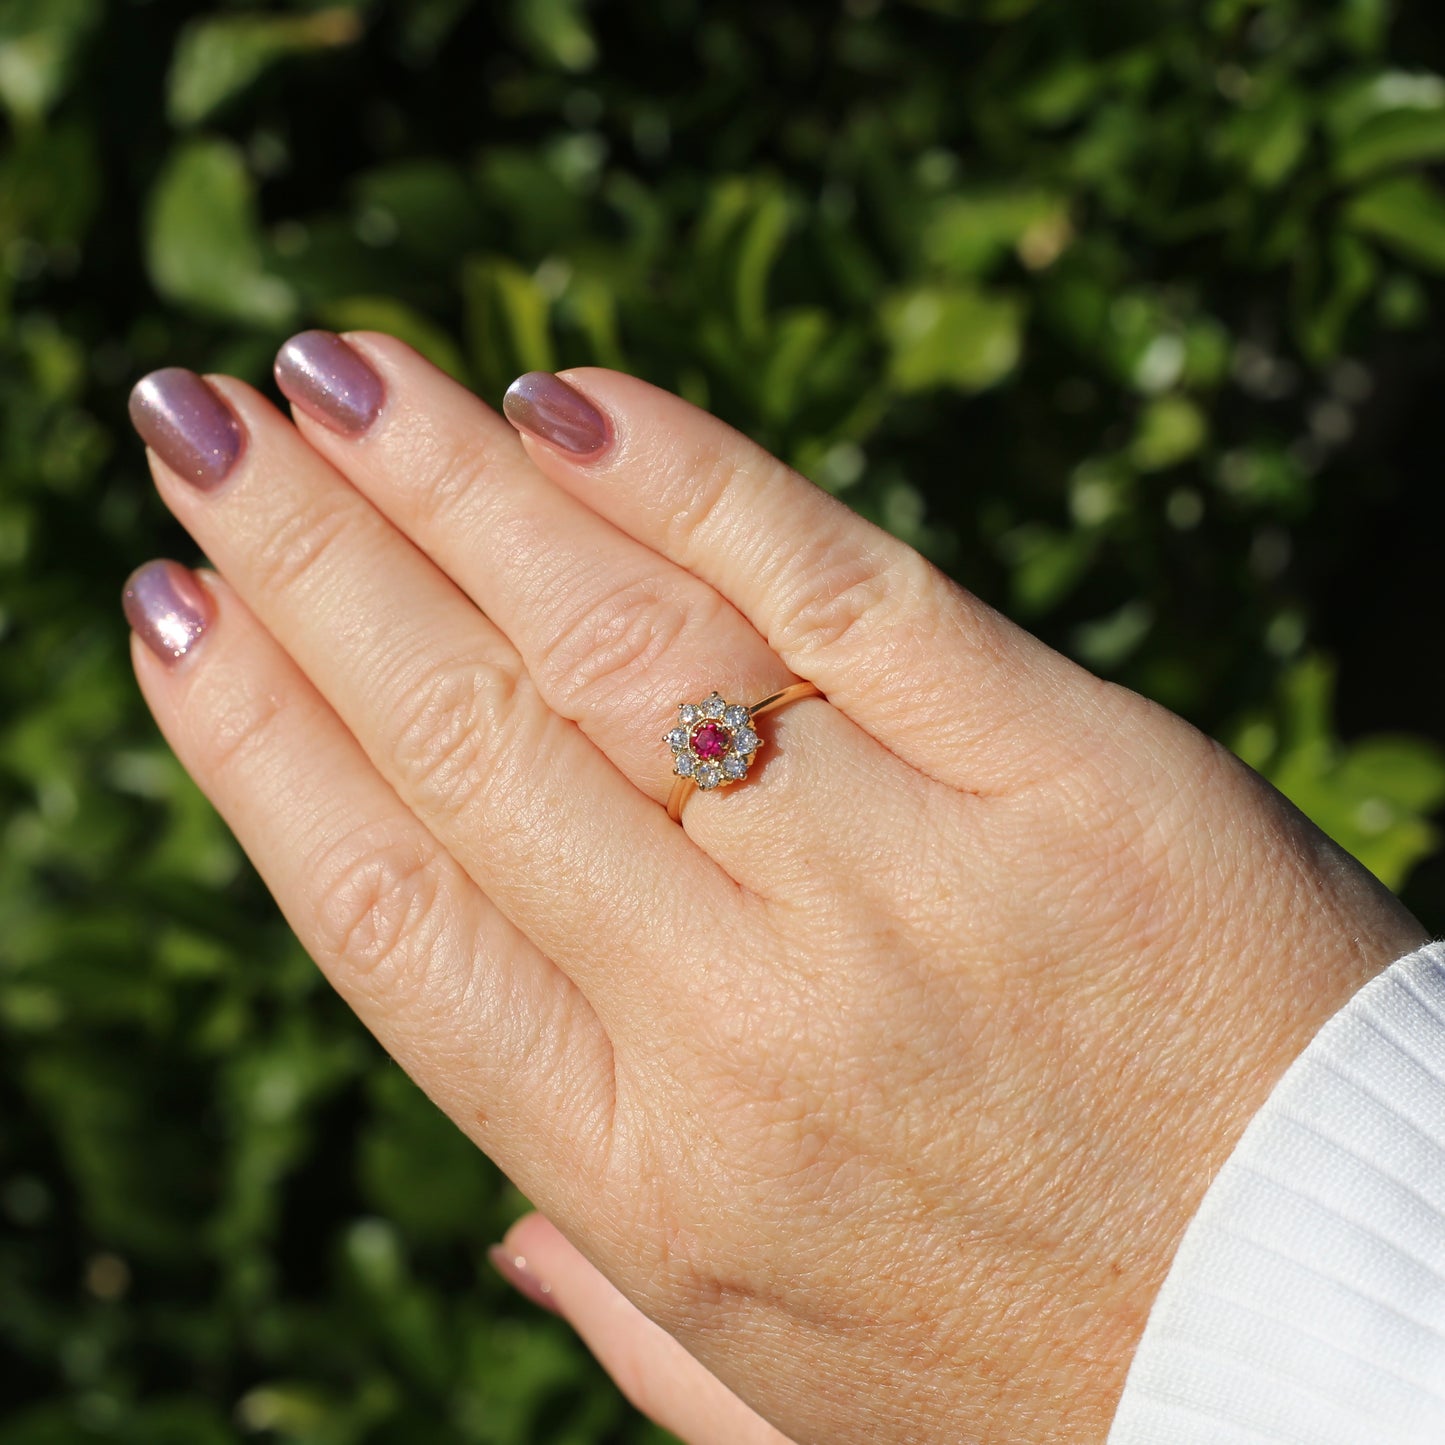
(418, 1169)
(1046, 565)
(1364, 24)
(98, 1112)
(1268, 143)
(1059, 91)
(182, 1421)
(33, 208)
(1266, 476)
(508, 322)
(1395, 138)
(1407, 771)
(1372, 797)
(1356, 102)
(957, 337)
(40, 41)
(738, 240)
(1171, 429)
(1353, 271)
(1106, 642)
(396, 318)
(203, 249)
(592, 307)
(433, 207)
(759, 246)
(426, 24)
(1402, 302)
(216, 59)
(556, 32)
(295, 1410)
(971, 233)
(1406, 213)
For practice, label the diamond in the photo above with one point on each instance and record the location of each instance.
(710, 740)
(713, 743)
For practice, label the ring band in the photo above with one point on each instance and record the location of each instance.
(714, 744)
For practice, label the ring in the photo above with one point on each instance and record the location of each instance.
(714, 744)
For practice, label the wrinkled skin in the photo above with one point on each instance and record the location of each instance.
(871, 1103)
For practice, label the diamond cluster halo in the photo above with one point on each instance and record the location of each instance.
(713, 743)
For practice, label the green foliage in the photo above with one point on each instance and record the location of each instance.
(203, 244)
(1109, 307)
(1373, 796)
(219, 57)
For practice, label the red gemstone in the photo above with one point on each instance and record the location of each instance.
(710, 740)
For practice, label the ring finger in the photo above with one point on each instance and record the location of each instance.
(613, 635)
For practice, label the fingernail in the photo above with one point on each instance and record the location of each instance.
(168, 608)
(187, 425)
(330, 382)
(513, 1269)
(546, 407)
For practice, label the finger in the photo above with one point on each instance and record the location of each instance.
(613, 635)
(487, 1026)
(661, 1379)
(564, 845)
(935, 675)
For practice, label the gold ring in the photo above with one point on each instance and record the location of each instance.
(714, 744)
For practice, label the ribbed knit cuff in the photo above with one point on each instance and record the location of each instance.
(1306, 1302)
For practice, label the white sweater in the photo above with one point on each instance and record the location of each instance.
(1306, 1302)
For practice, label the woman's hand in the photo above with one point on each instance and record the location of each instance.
(887, 1084)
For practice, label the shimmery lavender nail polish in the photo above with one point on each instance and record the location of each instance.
(168, 608)
(547, 407)
(330, 382)
(513, 1269)
(187, 425)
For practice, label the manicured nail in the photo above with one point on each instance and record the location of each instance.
(513, 1269)
(187, 425)
(330, 382)
(547, 407)
(168, 608)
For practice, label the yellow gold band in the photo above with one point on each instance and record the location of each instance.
(682, 786)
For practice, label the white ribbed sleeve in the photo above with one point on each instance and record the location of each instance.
(1306, 1302)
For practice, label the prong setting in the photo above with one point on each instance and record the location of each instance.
(713, 743)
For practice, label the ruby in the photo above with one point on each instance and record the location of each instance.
(710, 740)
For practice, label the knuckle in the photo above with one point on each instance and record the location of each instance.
(375, 909)
(240, 722)
(686, 1280)
(295, 546)
(852, 594)
(615, 639)
(714, 471)
(449, 730)
(454, 472)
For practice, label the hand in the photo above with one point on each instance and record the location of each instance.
(887, 1084)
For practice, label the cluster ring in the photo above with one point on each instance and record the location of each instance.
(714, 743)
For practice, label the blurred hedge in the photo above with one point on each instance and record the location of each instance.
(1119, 310)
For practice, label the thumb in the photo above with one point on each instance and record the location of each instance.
(648, 1365)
